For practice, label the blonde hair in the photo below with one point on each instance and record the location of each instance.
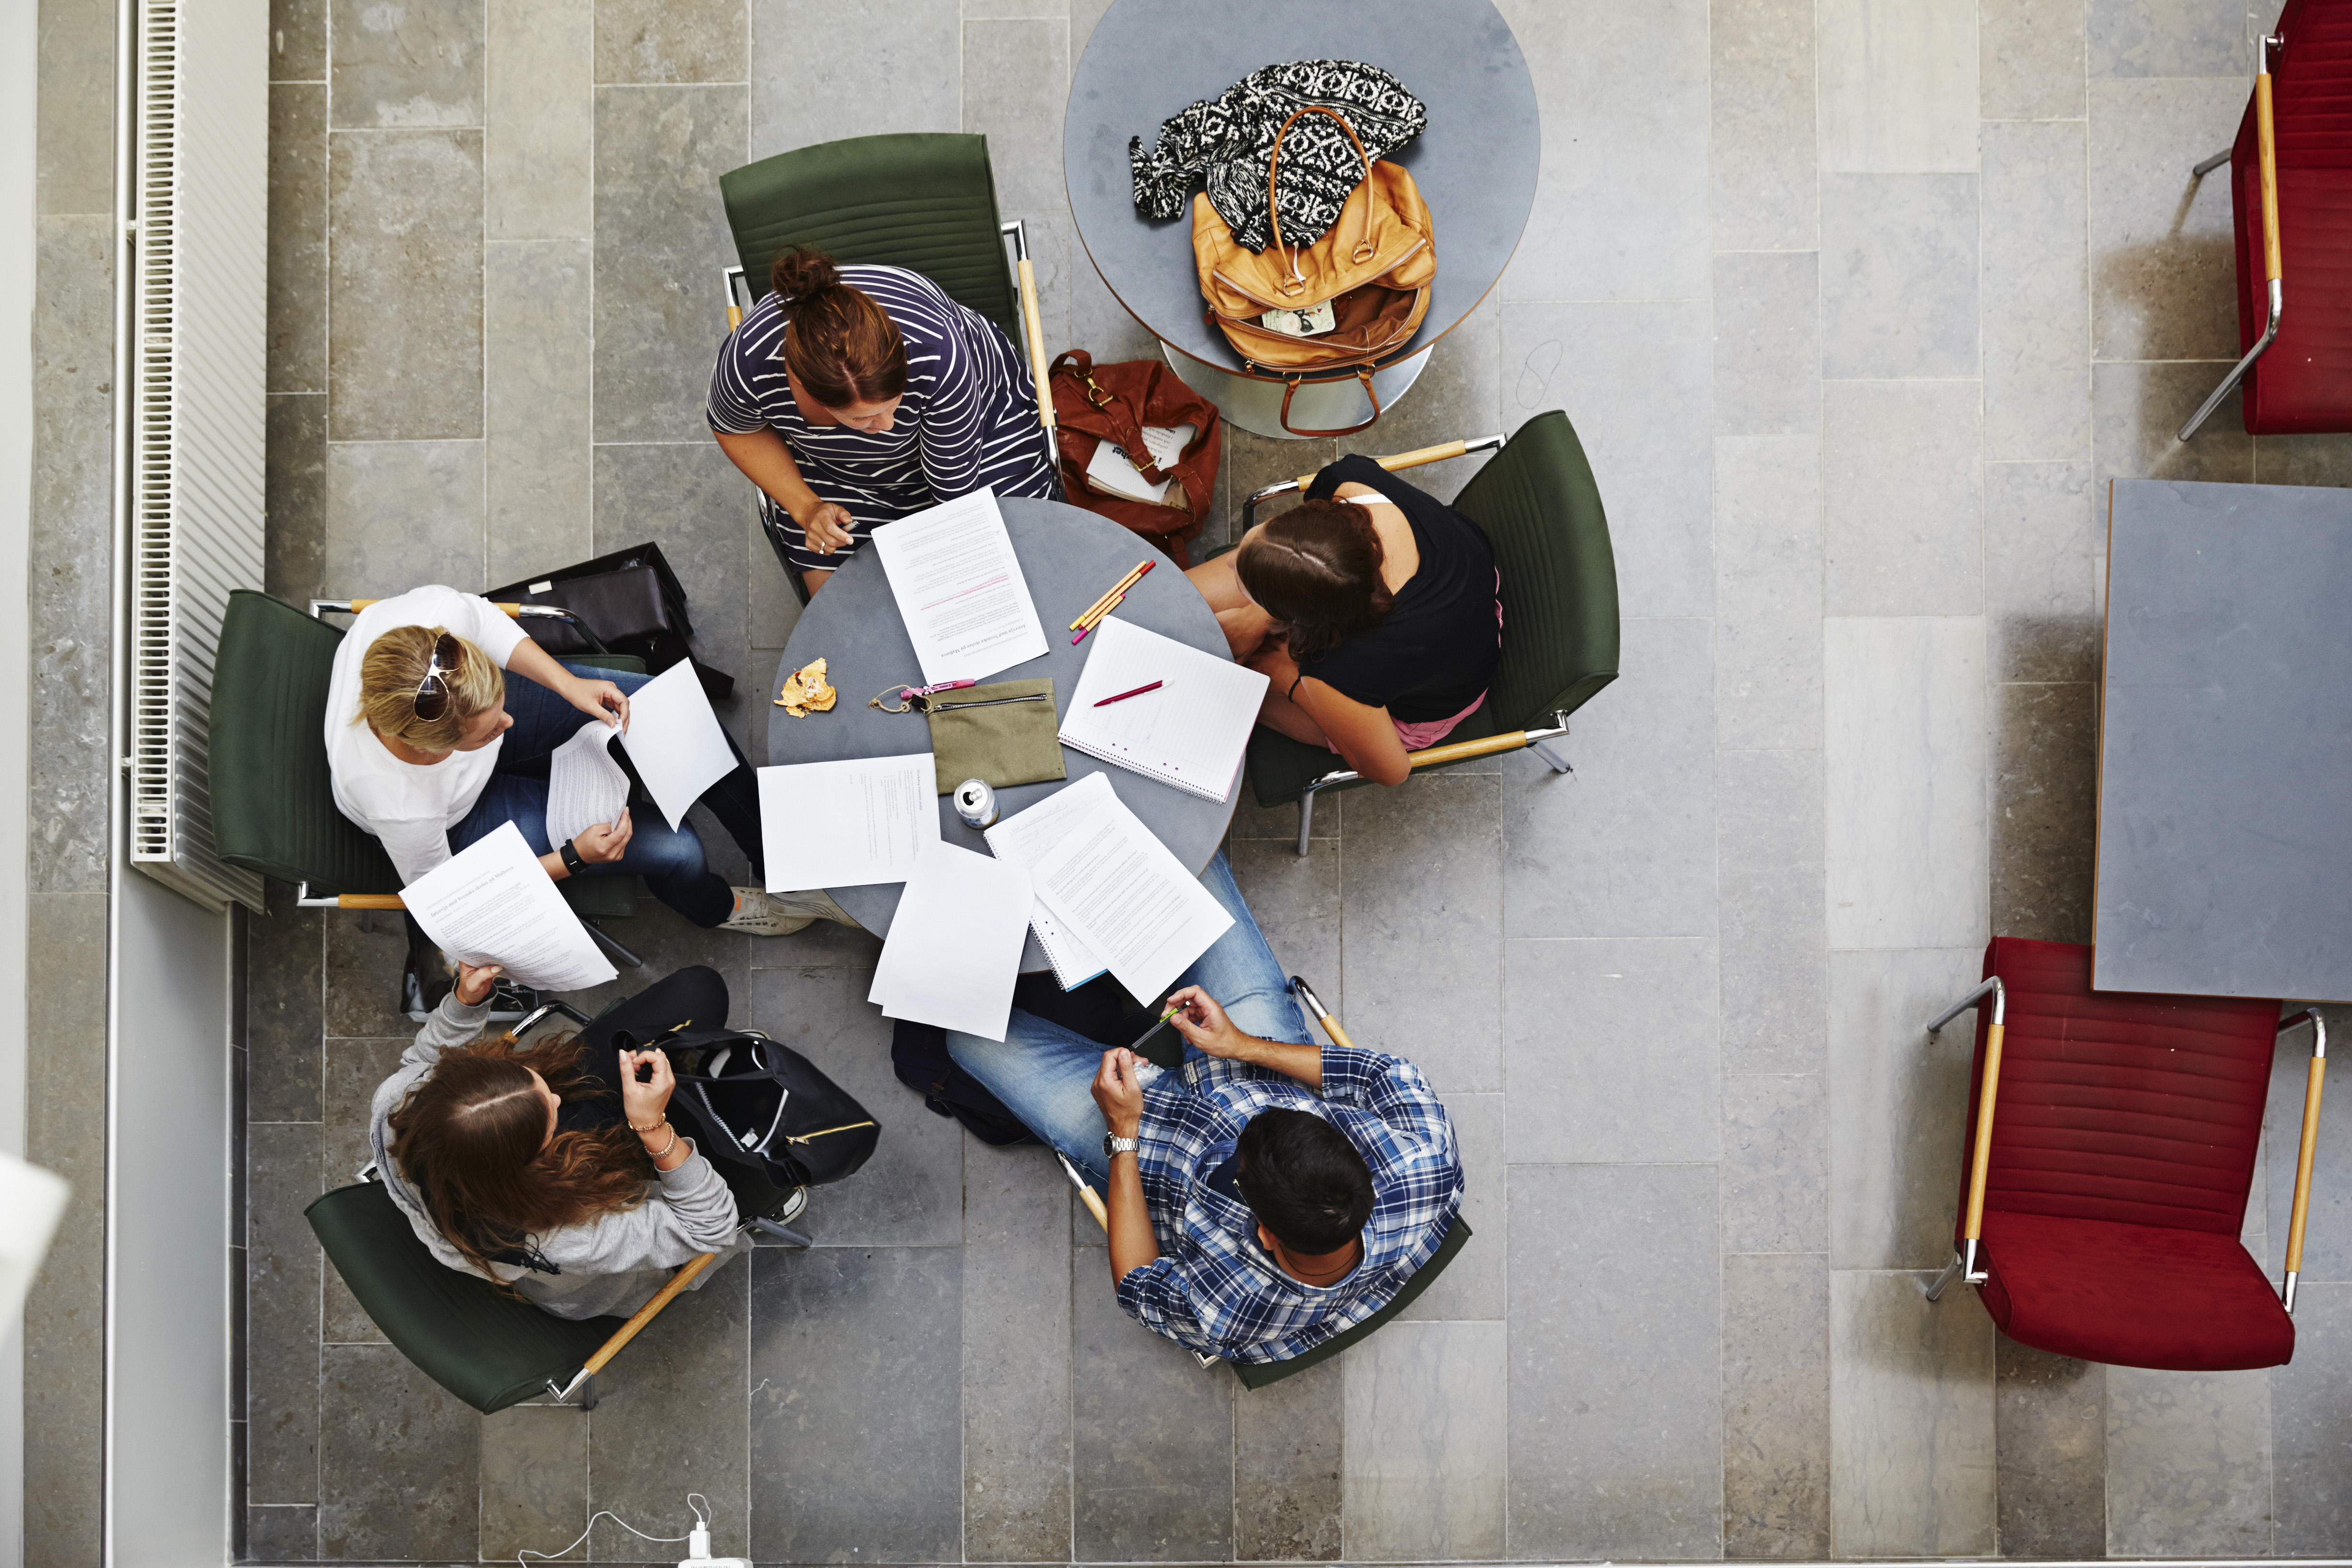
(394, 666)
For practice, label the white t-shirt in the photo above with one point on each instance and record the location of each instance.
(409, 806)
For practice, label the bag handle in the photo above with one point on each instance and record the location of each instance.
(1125, 429)
(1363, 375)
(1363, 251)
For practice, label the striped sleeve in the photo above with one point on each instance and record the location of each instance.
(955, 413)
(732, 406)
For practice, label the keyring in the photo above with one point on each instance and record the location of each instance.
(911, 699)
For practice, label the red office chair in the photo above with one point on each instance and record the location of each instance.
(2111, 1141)
(2291, 188)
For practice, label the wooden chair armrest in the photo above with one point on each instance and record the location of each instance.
(2313, 1082)
(1462, 751)
(2266, 146)
(1392, 463)
(1988, 1093)
(1033, 325)
(678, 1281)
(369, 901)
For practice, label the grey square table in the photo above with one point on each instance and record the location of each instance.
(2225, 742)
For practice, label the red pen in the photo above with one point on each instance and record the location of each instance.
(1125, 695)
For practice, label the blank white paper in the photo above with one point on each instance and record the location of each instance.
(493, 902)
(585, 787)
(674, 740)
(960, 589)
(954, 947)
(1117, 887)
(848, 824)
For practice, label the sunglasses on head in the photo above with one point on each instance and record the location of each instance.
(432, 697)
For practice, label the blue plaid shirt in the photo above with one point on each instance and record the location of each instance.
(1214, 1287)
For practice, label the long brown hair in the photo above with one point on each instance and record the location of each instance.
(471, 1137)
(843, 346)
(1316, 569)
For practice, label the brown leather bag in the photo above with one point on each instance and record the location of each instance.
(1094, 404)
(1373, 268)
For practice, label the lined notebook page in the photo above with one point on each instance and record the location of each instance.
(1190, 733)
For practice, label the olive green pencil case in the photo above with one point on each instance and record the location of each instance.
(1007, 733)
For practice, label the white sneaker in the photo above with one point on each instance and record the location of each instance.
(759, 913)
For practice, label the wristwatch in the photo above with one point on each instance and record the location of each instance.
(571, 861)
(1114, 1144)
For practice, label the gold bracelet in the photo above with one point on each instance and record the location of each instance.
(641, 1132)
(658, 1155)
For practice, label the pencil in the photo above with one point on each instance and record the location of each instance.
(1117, 588)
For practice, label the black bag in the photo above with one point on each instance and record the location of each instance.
(761, 1108)
(629, 599)
(919, 1054)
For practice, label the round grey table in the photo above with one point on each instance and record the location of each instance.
(1475, 165)
(1070, 556)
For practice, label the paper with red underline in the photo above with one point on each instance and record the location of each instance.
(959, 589)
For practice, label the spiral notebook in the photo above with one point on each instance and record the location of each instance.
(1190, 733)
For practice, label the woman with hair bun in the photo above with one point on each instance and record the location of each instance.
(853, 395)
(1373, 606)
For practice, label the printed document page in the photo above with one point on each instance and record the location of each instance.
(1124, 896)
(954, 947)
(675, 739)
(959, 589)
(844, 825)
(1026, 835)
(493, 902)
(585, 787)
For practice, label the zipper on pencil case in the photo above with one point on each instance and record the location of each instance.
(989, 702)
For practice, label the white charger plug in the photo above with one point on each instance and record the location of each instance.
(698, 1551)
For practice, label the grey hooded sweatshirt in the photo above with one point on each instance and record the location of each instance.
(611, 1264)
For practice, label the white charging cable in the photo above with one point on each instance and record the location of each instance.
(698, 1540)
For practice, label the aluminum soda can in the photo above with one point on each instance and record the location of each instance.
(976, 803)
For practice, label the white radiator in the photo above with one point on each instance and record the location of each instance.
(199, 358)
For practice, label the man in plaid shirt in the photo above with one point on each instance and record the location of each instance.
(1269, 1195)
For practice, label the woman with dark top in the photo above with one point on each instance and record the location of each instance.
(1372, 606)
(854, 396)
(548, 1169)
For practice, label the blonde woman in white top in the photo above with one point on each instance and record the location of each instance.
(432, 747)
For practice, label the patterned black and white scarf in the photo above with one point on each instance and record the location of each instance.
(1229, 138)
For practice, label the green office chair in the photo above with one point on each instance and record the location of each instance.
(923, 200)
(488, 1349)
(273, 800)
(1542, 513)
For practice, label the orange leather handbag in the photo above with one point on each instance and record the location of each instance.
(1351, 300)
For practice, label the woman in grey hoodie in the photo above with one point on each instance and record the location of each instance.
(521, 1164)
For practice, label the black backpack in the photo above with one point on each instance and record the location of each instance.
(762, 1109)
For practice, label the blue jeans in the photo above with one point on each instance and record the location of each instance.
(669, 859)
(1043, 1072)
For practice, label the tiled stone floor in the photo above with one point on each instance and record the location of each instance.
(1857, 304)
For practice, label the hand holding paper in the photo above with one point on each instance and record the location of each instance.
(674, 740)
(493, 902)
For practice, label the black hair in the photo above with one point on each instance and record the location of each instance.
(1304, 1180)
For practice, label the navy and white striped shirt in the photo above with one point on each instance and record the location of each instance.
(969, 417)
